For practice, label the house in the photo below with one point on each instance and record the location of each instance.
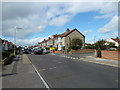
(6, 45)
(63, 40)
(0, 45)
(88, 44)
(114, 40)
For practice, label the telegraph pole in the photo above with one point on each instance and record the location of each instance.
(94, 45)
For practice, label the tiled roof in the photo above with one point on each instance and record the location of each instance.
(88, 44)
(66, 33)
(116, 40)
(7, 42)
(60, 35)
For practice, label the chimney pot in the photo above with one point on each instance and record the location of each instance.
(67, 30)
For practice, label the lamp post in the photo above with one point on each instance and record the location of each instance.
(15, 38)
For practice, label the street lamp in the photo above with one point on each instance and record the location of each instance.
(15, 38)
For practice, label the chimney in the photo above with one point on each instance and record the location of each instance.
(117, 37)
(44, 39)
(54, 35)
(67, 30)
(49, 38)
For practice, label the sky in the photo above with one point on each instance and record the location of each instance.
(39, 20)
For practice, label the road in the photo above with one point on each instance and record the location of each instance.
(60, 72)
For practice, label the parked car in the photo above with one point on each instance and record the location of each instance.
(112, 48)
(26, 51)
(38, 51)
(46, 50)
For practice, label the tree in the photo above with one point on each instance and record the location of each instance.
(111, 44)
(76, 43)
(100, 44)
(89, 47)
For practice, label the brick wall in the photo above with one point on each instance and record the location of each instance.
(82, 51)
(58, 52)
(113, 55)
(78, 51)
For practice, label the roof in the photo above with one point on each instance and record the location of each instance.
(87, 44)
(116, 39)
(62, 35)
(10, 43)
(66, 33)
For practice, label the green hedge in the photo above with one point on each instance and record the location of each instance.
(8, 57)
(5, 54)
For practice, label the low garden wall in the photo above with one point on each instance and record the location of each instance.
(58, 51)
(77, 51)
(112, 55)
(82, 51)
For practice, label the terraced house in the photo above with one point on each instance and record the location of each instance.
(63, 40)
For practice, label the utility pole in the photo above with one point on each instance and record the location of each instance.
(94, 41)
(15, 38)
(94, 45)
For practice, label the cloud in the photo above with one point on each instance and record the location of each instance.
(104, 16)
(35, 17)
(87, 32)
(110, 26)
(27, 42)
(30, 42)
(60, 21)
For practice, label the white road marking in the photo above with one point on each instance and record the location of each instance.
(42, 69)
(46, 85)
(59, 62)
(50, 68)
(54, 67)
(116, 80)
(92, 61)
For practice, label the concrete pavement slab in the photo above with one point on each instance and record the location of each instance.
(25, 59)
(19, 75)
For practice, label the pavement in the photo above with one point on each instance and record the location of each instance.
(20, 74)
(90, 57)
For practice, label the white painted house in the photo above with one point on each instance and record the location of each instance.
(114, 40)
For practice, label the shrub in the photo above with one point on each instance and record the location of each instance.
(89, 47)
(100, 44)
(5, 55)
(75, 47)
(8, 57)
(76, 44)
(99, 54)
(63, 48)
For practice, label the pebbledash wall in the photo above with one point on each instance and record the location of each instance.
(112, 55)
